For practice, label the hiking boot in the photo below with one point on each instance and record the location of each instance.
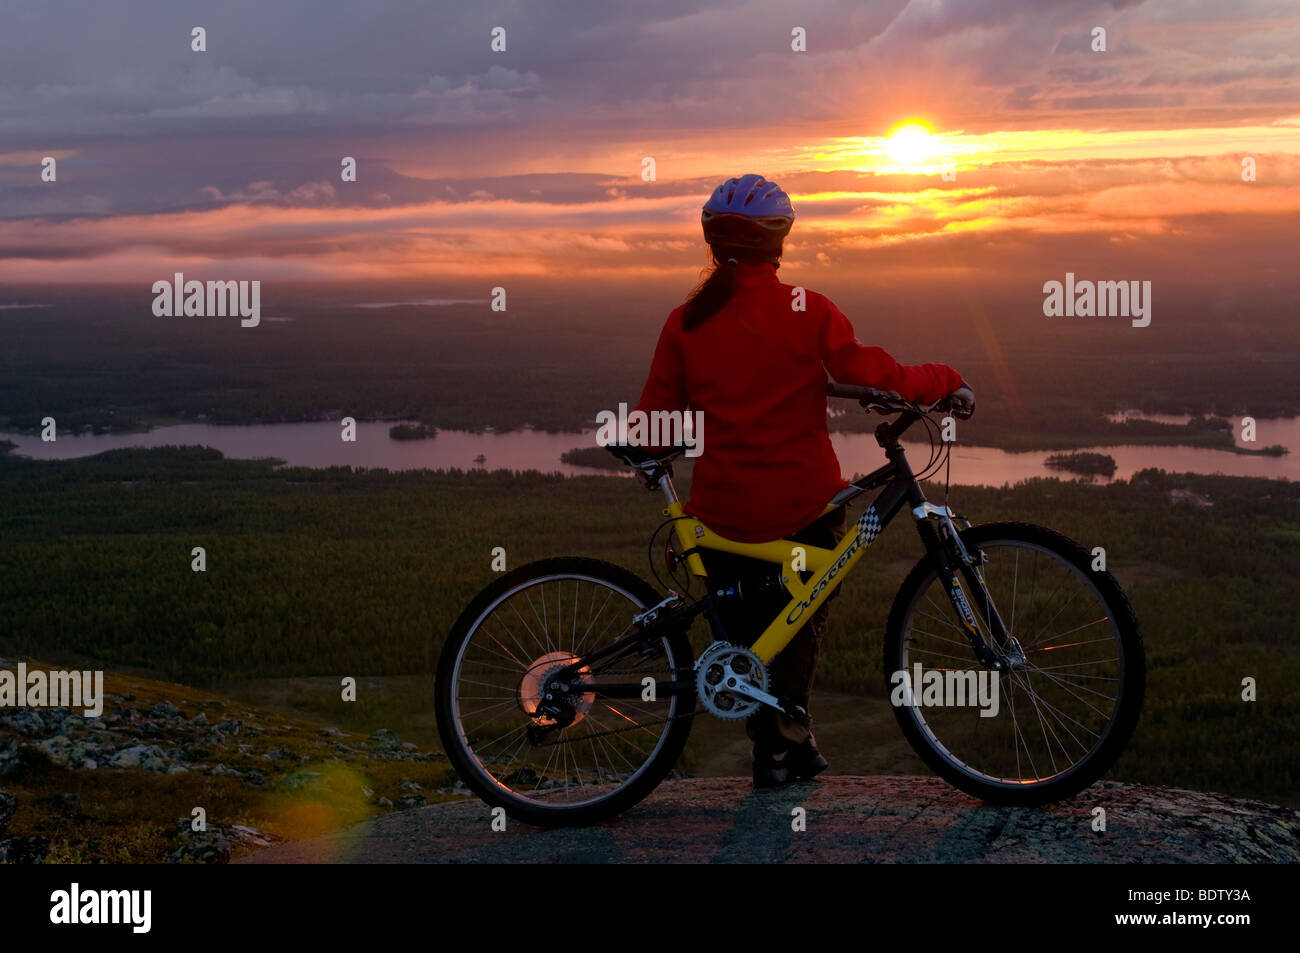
(770, 767)
(806, 761)
(776, 767)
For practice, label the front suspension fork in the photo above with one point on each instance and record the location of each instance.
(959, 571)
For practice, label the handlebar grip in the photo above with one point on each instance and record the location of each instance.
(857, 392)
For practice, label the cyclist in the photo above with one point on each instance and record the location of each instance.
(752, 354)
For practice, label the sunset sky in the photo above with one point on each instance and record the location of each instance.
(473, 163)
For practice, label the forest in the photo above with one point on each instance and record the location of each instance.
(96, 358)
(338, 571)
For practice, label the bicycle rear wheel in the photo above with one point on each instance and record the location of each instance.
(1063, 714)
(495, 663)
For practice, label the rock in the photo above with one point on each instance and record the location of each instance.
(178, 769)
(884, 819)
(10, 758)
(149, 757)
(413, 800)
(385, 738)
(215, 844)
(410, 746)
(23, 850)
(229, 726)
(385, 802)
(8, 805)
(330, 732)
(408, 786)
(27, 721)
(257, 778)
(202, 847)
(212, 703)
(56, 749)
(60, 721)
(90, 764)
(199, 719)
(251, 836)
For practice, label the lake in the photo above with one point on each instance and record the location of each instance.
(319, 445)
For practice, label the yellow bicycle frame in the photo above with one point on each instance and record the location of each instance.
(828, 567)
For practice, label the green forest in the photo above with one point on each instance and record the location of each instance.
(561, 354)
(361, 572)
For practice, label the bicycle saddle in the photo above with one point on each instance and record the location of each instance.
(641, 456)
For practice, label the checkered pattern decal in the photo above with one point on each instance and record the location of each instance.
(869, 525)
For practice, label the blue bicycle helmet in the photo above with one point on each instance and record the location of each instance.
(748, 212)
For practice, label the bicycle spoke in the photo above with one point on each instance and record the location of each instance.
(596, 745)
(1058, 701)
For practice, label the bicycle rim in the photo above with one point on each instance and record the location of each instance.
(1033, 725)
(526, 632)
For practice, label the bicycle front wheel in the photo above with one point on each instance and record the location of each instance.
(608, 753)
(1052, 722)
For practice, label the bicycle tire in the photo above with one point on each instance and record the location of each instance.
(1124, 632)
(678, 656)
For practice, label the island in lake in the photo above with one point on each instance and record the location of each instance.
(1087, 464)
(412, 431)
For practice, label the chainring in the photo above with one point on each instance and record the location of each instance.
(723, 664)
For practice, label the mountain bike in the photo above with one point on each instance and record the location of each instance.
(567, 688)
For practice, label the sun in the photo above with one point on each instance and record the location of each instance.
(911, 143)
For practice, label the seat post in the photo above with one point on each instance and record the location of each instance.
(666, 485)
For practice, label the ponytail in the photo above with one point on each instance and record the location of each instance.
(712, 294)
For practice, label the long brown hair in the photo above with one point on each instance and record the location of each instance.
(717, 288)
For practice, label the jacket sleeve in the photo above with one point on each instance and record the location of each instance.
(665, 386)
(851, 362)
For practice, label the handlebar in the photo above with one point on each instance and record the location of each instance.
(881, 401)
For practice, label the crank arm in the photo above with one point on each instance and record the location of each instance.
(753, 694)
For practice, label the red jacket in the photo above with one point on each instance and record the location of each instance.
(757, 369)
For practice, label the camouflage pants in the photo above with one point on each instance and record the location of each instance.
(791, 672)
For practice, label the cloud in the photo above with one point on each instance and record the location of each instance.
(530, 159)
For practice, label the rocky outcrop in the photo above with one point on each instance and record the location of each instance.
(846, 820)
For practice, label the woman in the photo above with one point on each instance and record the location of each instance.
(752, 354)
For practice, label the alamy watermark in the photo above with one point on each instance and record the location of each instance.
(946, 688)
(1102, 299)
(53, 689)
(658, 428)
(129, 907)
(181, 298)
